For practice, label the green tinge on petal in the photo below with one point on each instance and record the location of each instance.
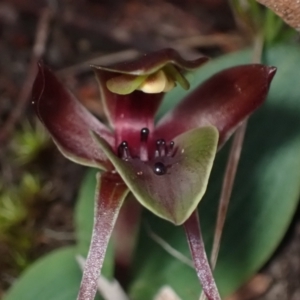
(125, 84)
(104, 166)
(176, 194)
(173, 73)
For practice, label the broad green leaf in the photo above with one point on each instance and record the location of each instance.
(84, 218)
(55, 276)
(265, 195)
(175, 194)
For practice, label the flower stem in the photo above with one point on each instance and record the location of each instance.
(109, 197)
(194, 237)
(231, 169)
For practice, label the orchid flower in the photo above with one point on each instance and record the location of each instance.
(166, 166)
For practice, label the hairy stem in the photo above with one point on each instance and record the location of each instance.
(231, 169)
(196, 244)
(110, 194)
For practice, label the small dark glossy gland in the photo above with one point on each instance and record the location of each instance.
(161, 148)
(159, 168)
(160, 143)
(170, 149)
(123, 149)
(124, 144)
(144, 134)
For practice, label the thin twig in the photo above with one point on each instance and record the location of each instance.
(258, 49)
(166, 293)
(228, 42)
(168, 248)
(108, 59)
(231, 41)
(228, 181)
(37, 52)
(230, 172)
(59, 236)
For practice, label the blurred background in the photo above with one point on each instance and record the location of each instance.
(38, 186)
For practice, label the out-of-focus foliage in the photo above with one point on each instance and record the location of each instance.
(56, 276)
(256, 19)
(15, 207)
(29, 142)
(20, 188)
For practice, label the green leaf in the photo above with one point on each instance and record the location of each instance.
(265, 195)
(84, 218)
(168, 195)
(55, 276)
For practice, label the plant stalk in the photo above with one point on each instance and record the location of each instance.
(201, 263)
(231, 169)
(108, 201)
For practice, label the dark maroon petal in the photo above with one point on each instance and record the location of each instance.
(110, 193)
(128, 114)
(68, 122)
(196, 244)
(152, 62)
(223, 101)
